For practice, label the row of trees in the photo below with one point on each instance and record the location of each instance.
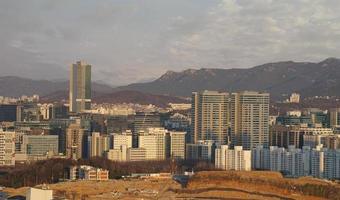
(54, 170)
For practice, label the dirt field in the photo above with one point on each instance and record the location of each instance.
(204, 185)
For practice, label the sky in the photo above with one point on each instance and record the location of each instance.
(129, 41)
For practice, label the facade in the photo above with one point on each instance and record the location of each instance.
(143, 121)
(232, 159)
(120, 139)
(97, 144)
(80, 87)
(84, 172)
(7, 148)
(334, 115)
(118, 154)
(10, 113)
(136, 154)
(177, 145)
(40, 145)
(74, 141)
(202, 150)
(249, 119)
(210, 119)
(154, 142)
(285, 136)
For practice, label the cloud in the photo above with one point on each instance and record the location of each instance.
(131, 41)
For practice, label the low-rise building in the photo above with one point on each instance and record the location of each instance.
(84, 172)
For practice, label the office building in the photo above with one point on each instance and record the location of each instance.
(176, 145)
(143, 121)
(285, 136)
(10, 113)
(40, 146)
(136, 154)
(202, 150)
(232, 159)
(118, 154)
(210, 119)
(80, 87)
(124, 138)
(97, 144)
(7, 148)
(249, 119)
(153, 140)
(74, 141)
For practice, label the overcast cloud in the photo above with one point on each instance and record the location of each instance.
(136, 40)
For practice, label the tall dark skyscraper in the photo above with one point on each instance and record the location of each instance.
(80, 87)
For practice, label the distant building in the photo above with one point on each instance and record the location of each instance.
(334, 115)
(98, 144)
(10, 113)
(124, 138)
(42, 146)
(232, 159)
(249, 119)
(143, 121)
(294, 98)
(74, 141)
(154, 142)
(7, 148)
(210, 120)
(285, 136)
(84, 172)
(80, 87)
(202, 150)
(177, 145)
(136, 154)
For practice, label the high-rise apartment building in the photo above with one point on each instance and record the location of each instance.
(7, 148)
(80, 87)
(249, 119)
(74, 141)
(210, 119)
(232, 159)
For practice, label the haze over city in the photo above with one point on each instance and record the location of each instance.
(133, 41)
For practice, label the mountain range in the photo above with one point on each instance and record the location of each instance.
(281, 78)
(307, 78)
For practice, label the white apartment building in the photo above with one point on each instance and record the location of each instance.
(232, 159)
(7, 148)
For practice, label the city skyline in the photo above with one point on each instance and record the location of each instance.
(137, 41)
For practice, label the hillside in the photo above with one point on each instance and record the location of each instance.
(204, 185)
(120, 97)
(279, 78)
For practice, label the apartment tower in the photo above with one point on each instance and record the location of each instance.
(210, 118)
(249, 119)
